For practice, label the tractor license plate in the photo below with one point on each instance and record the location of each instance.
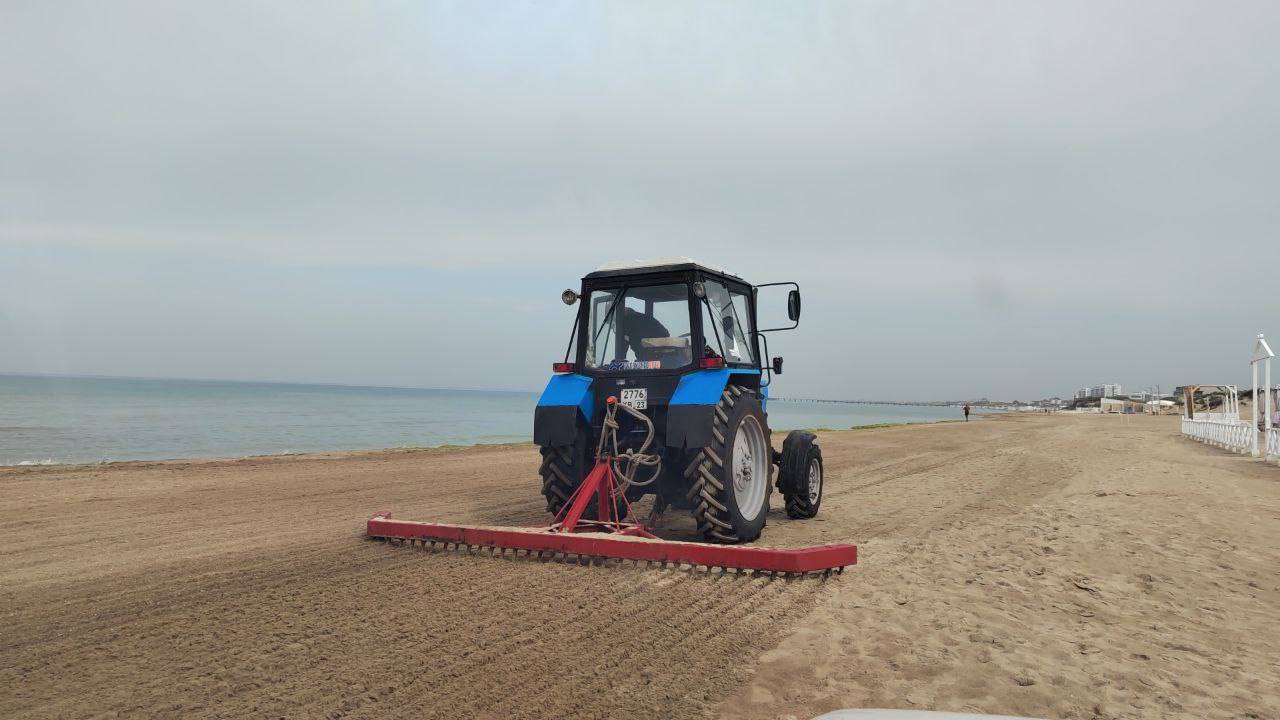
(635, 398)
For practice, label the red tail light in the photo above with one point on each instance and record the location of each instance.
(563, 367)
(711, 363)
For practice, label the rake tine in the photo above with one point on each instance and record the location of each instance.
(593, 553)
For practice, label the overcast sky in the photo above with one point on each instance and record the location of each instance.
(1008, 199)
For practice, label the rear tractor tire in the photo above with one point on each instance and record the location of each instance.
(563, 469)
(729, 479)
(800, 474)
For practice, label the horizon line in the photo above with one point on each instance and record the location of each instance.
(107, 376)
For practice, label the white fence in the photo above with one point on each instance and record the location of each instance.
(1236, 436)
(1225, 428)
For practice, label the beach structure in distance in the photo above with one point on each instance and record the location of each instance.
(1259, 436)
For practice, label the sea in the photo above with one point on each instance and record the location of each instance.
(50, 420)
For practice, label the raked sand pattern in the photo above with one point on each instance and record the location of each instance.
(1072, 567)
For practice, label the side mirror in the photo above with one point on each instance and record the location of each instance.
(727, 324)
(793, 306)
(777, 366)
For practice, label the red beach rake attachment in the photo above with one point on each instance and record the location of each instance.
(608, 537)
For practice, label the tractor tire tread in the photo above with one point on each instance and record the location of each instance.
(798, 450)
(706, 487)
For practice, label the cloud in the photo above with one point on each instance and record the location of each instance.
(1001, 177)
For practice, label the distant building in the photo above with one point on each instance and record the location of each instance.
(1114, 405)
(1053, 402)
(1104, 391)
(1109, 405)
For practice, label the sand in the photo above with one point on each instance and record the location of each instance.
(1086, 566)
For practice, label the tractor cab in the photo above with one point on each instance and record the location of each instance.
(679, 343)
(679, 318)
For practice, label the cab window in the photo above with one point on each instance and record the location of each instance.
(639, 328)
(726, 323)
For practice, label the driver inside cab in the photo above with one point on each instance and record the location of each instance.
(650, 340)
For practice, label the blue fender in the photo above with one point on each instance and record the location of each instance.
(705, 386)
(571, 389)
(689, 417)
(555, 419)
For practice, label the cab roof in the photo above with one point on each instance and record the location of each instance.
(656, 265)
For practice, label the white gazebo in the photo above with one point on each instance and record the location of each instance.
(1262, 354)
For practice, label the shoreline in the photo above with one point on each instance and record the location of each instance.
(58, 421)
(339, 454)
(344, 453)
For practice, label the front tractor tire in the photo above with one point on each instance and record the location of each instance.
(563, 469)
(729, 479)
(800, 474)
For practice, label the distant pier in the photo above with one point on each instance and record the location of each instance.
(875, 402)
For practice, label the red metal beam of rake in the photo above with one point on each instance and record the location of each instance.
(563, 537)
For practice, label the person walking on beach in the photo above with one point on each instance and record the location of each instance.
(966, 412)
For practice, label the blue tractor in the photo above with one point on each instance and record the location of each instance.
(678, 343)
